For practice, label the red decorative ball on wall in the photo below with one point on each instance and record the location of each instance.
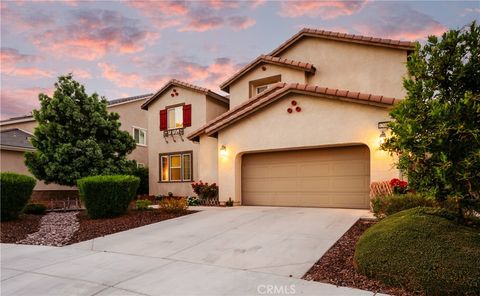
(289, 110)
(294, 103)
(264, 68)
(174, 90)
(298, 109)
(176, 94)
(172, 95)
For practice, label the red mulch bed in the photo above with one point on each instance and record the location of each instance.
(93, 228)
(13, 231)
(336, 266)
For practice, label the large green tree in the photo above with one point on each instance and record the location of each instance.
(436, 130)
(76, 136)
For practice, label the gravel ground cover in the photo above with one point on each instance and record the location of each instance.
(56, 229)
(13, 231)
(336, 266)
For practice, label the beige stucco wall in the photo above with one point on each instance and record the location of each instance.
(132, 115)
(13, 161)
(239, 90)
(214, 108)
(350, 66)
(157, 144)
(27, 126)
(322, 122)
(208, 159)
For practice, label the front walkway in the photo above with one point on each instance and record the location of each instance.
(227, 251)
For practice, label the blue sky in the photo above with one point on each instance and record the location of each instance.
(123, 48)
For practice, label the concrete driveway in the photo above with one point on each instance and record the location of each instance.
(219, 251)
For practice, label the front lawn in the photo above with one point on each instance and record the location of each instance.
(423, 252)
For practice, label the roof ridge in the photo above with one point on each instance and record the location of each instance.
(377, 41)
(268, 58)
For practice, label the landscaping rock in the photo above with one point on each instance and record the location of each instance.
(56, 229)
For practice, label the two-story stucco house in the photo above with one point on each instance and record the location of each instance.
(304, 123)
(15, 132)
(177, 109)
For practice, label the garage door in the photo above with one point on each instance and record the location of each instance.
(327, 177)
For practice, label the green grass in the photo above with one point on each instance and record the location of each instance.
(421, 251)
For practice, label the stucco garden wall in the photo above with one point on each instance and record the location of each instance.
(321, 123)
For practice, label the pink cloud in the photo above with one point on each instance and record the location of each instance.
(322, 9)
(241, 22)
(222, 4)
(399, 22)
(11, 59)
(15, 102)
(91, 34)
(163, 14)
(257, 3)
(120, 79)
(20, 20)
(202, 24)
(81, 73)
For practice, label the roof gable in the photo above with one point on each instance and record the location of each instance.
(343, 37)
(15, 139)
(267, 59)
(186, 85)
(279, 90)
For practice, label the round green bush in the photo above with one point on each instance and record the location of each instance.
(422, 251)
(107, 196)
(35, 209)
(16, 190)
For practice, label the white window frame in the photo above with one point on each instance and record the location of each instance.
(168, 157)
(144, 130)
(175, 117)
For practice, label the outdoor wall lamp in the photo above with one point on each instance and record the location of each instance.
(383, 126)
(223, 151)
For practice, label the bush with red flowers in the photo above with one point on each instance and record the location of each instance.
(399, 186)
(204, 190)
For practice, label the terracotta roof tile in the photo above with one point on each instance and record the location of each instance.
(307, 67)
(277, 91)
(175, 82)
(404, 45)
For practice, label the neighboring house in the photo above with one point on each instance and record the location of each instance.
(177, 109)
(304, 123)
(132, 118)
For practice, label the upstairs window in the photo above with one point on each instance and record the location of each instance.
(260, 85)
(175, 117)
(140, 136)
(260, 89)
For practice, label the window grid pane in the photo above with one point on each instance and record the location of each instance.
(175, 168)
(187, 170)
(165, 171)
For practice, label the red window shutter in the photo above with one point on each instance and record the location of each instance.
(163, 119)
(187, 115)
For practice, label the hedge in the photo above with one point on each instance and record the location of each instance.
(422, 250)
(142, 173)
(383, 206)
(107, 196)
(16, 190)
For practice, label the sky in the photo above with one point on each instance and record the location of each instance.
(127, 48)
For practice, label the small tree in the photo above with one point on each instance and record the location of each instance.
(436, 129)
(77, 137)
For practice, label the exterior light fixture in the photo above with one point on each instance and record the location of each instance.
(383, 126)
(223, 151)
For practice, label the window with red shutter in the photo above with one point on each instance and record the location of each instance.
(187, 115)
(163, 119)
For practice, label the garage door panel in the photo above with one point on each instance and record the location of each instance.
(314, 169)
(329, 177)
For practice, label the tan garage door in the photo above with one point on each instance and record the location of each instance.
(327, 177)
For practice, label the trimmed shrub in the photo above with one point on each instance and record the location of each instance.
(143, 204)
(174, 205)
(16, 190)
(107, 196)
(422, 251)
(142, 173)
(383, 206)
(193, 201)
(35, 209)
(205, 191)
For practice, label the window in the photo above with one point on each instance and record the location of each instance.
(176, 167)
(140, 136)
(175, 117)
(260, 89)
